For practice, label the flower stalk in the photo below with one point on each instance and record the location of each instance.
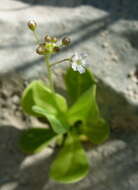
(61, 61)
(36, 37)
(51, 85)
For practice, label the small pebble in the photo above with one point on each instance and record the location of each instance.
(134, 79)
(133, 75)
(4, 94)
(104, 34)
(15, 99)
(105, 45)
(136, 74)
(130, 74)
(115, 58)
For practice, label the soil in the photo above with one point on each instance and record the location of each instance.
(10, 93)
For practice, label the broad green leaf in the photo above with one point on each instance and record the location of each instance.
(38, 94)
(36, 139)
(71, 164)
(77, 84)
(58, 122)
(96, 130)
(61, 103)
(54, 105)
(86, 110)
(84, 106)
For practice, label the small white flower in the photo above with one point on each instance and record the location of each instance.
(79, 63)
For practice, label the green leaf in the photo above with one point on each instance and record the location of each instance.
(86, 110)
(71, 164)
(96, 130)
(38, 100)
(38, 94)
(84, 106)
(77, 84)
(35, 140)
(57, 122)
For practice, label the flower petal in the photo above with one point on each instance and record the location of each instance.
(75, 57)
(83, 55)
(83, 63)
(81, 69)
(74, 66)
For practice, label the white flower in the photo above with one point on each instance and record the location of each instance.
(79, 63)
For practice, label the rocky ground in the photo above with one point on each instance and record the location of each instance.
(108, 32)
(113, 164)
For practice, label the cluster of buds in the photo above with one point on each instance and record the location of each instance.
(50, 45)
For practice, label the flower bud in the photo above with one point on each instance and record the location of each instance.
(41, 49)
(54, 39)
(56, 49)
(48, 38)
(32, 25)
(66, 41)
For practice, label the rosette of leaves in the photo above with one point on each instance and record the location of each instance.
(63, 115)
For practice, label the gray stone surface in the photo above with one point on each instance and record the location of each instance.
(108, 32)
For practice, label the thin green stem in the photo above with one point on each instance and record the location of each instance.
(49, 73)
(36, 37)
(53, 64)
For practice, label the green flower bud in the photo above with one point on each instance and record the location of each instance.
(66, 41)
(54, 39)
(48, 38)
(32, 25)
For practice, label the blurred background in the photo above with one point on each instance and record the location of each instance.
(107, 30)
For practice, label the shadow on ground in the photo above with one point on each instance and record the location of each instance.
(132, 37)
(113, 165)
(33, 176)
(127, 8)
